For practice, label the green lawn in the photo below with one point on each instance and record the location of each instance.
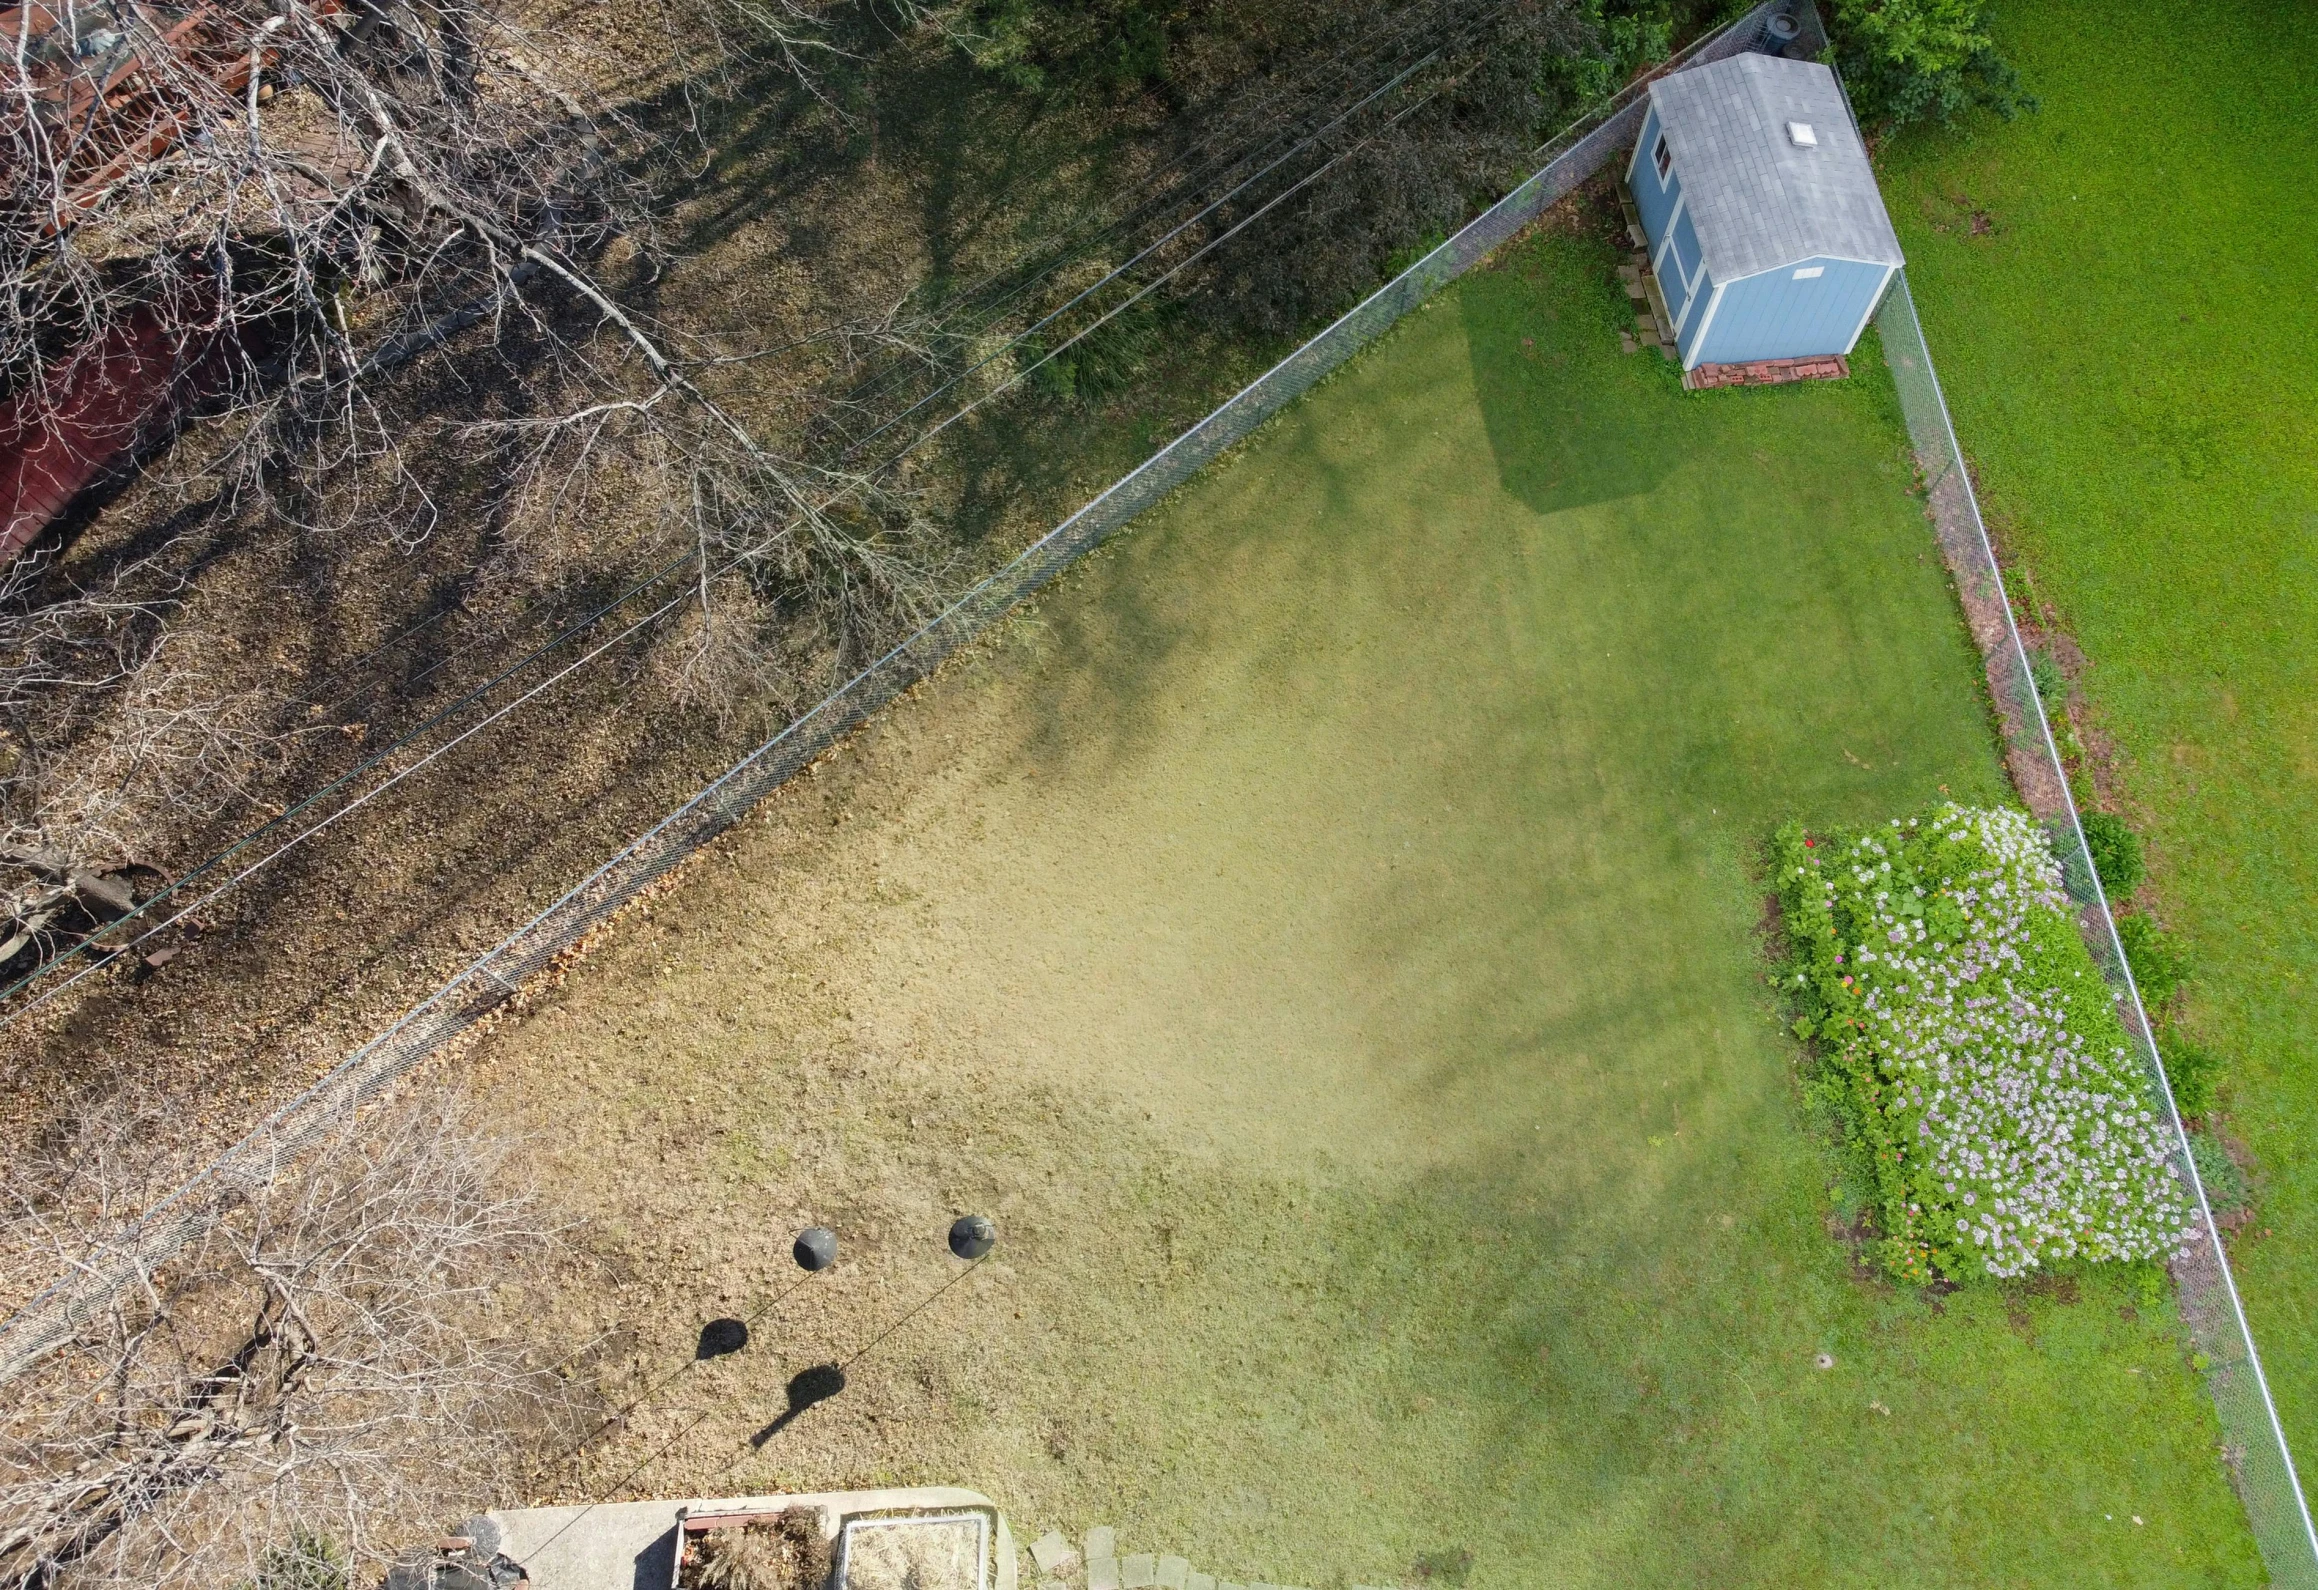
(2127, 352)
(1322, 933)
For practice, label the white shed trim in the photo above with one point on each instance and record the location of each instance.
(1840, 259)
(1666, 243)
(1690, 360)
(1860, 330)
(1646, 147)
(1689, 294)
(1760, 199)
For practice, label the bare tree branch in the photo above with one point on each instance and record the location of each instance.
(292, 226)
(334, 1363)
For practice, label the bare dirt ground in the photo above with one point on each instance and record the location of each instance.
(908, 165)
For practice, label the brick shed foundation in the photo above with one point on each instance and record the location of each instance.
(1767, 372)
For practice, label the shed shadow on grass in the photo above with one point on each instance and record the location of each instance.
(1539, 354)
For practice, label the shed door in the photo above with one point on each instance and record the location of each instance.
(1678, 265)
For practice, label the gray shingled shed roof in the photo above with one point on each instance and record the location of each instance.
(1757, 200)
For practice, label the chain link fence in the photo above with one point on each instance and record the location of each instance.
(2253, 1443)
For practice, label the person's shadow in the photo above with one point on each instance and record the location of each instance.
(806, 1387)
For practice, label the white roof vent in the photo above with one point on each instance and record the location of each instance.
(1799, 134)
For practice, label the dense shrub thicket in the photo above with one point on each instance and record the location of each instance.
(1917, 60)
(1971, 1051)
(1500, 77)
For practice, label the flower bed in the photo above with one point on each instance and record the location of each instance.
(1973, 1049)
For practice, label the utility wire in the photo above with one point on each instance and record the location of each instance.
(1160, 281)
(1346, 64)
(754, 1443)
(1184, 179)
(1376, 45)
(355, 805)
(88, 946)
(749, 1327)
(1298, 186)
(1185, 187)
(1138, 258)
(258, 834)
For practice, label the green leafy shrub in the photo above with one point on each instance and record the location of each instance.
(2160, 966)
(2051, 684)
(1041, 46)
(2116, 852)
(1400, 259)
(2226, 1191)
(1626, 36)
(2193, 1070)
(1983, 1075)
(1909, 60)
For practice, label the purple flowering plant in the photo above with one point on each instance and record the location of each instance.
(1972, 1050)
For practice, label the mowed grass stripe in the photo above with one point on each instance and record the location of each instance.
(1323, 934)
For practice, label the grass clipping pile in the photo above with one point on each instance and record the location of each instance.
(1985, 1083)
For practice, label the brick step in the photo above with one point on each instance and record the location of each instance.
(1768, 372)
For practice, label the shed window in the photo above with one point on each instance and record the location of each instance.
(1662, 157)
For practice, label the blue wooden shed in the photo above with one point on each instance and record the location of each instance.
(1766, 232)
